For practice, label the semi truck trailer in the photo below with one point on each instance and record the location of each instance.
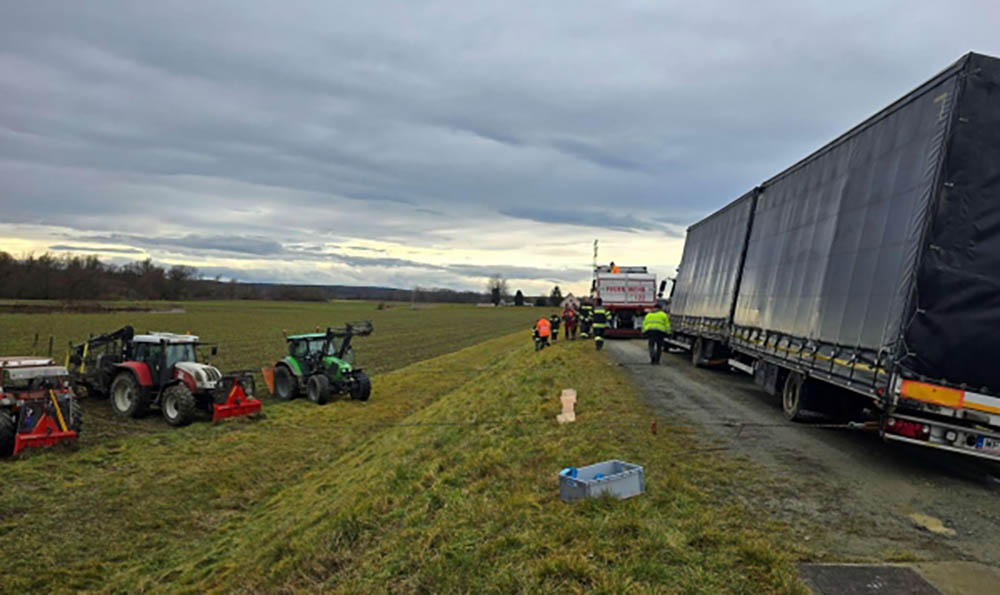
(866, 277)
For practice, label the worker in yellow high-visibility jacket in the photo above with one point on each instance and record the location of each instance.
(656, 327)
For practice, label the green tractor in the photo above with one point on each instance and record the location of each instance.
(321, 365)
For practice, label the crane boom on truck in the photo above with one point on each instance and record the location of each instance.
(866, 277)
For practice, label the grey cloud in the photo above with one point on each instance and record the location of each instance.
(371, 261)
(518, 272)
(595, 154)
(588, 218)
(194, 243)
(70, 248)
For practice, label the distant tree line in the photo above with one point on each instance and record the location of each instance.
(71, 277)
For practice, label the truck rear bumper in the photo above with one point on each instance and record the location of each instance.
(961, 450)
(630, 333)
(978, 442)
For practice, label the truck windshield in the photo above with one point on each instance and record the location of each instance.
(180, 352)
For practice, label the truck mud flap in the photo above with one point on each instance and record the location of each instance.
(237, 403)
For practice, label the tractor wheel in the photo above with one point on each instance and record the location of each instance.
(178, 406)
(8, 428)
(362, 388)
(127, 397)
(286, 386)
(318, 389)
(75, 415)
(794, 397)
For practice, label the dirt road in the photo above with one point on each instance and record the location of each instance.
(849, 495)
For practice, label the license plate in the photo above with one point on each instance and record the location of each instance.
(984, 443)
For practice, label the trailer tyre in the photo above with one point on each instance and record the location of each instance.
(127, 397)
(179, 407)
(285, 384)
(362, 389)
(794, 396)
(8, 428)
(318, 389)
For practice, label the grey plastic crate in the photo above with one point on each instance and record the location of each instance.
(618, 478)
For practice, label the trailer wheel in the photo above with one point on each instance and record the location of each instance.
(127, 397)
(286, 386)
(362, 389)
(793, 396)
(178, 406)
(318, 389)
(8, 428)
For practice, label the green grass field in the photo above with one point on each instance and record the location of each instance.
(249, 335)
(445, 481)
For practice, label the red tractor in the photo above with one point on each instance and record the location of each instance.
(139, 372)
(37, 405)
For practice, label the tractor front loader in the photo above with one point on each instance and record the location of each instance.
(138, 372)
(37, 405)
(321, 365)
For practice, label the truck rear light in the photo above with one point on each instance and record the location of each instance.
(910, 429)
(951, 436)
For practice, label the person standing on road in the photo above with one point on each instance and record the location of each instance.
(541, 333)
(554, 322)
(599, 323)
(569, 318)
(655, 327)
(586, 311)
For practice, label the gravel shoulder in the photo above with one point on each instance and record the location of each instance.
(849, 495)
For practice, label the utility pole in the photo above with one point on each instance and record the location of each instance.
(593, 282)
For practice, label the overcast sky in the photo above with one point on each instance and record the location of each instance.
(430, 143)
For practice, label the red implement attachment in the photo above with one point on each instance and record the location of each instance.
(237, 403)
(49, 427)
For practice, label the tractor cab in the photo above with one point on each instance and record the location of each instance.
(317, 346)
(37, 405)
(169, 356)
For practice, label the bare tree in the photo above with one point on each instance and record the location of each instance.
(497, 289)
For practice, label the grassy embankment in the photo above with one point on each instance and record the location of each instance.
(445, 481)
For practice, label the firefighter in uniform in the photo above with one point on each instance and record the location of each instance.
(586, 311)
(656, 327)
(554, 322)
(599, 322)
